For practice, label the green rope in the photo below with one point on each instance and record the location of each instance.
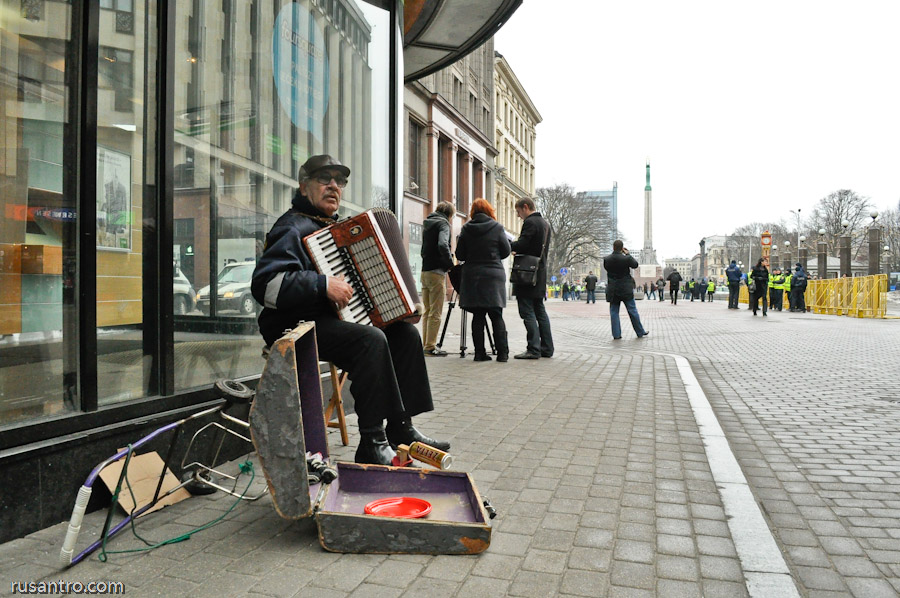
(244, 467)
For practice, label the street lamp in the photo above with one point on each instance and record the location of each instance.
(874, 215)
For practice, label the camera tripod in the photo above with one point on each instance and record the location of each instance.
(462, 327)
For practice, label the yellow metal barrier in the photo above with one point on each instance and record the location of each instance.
(859, 297)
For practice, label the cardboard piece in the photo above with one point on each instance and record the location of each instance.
(143, 474)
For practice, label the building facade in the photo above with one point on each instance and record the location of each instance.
(680, 265)
(147, 148)
(610, 199)
(449, 142)
(515, 122)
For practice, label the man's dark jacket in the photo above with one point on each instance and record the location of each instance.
(531, 242)
(618, 269)
(482, 244)
(590, 282)
(733, 273)
(436, 243)
(674, 279)
(285, 281)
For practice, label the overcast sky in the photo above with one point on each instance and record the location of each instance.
(746, 111)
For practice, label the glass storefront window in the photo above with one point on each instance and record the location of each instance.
(124, 168)
(259, 87)
(36, 216)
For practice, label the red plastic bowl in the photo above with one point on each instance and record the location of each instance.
(403, 507)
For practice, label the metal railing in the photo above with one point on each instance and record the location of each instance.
(857, 297)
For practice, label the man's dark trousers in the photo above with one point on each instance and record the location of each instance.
(537, 325)
(591, 297)
(387, 367)
(734, 289)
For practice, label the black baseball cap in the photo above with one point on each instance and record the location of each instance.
(316, 163)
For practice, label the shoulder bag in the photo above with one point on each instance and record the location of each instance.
(525, 268)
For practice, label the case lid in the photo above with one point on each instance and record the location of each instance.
(289, 395)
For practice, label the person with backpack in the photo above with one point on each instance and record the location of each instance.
(660, 288)
(674, 279)
(798, 289)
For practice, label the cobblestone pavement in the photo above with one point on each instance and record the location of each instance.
(597, 466)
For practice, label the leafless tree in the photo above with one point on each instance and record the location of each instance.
(890, 232)
(745, 242)
(831, 210)
(580, 225)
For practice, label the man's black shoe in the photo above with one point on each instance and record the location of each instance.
(374, 448)
(482, 357)
(546, 354)
(646, 333)
(404, 433)
(527, 355)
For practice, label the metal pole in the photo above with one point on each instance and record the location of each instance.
(822, 258)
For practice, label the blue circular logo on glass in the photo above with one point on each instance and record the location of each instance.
(300, 67)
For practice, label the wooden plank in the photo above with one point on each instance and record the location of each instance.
(115, 313)
(115, 263)
(10, 319)
(119, 288)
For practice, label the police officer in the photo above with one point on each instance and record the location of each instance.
(387, 366)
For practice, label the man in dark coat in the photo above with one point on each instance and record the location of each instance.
(590, 283)
(533, 240)
(660, 288)
(734, 275)
(387, 366)
(674, 279)
(436, 261)
(620, 289)
(798, 289)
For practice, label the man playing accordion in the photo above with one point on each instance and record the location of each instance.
(387, 366)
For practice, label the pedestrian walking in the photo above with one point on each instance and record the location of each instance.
(481, 246)
(674, 279)
(620, 289)
(798, 289)
(652, 294)
(759, 281)
(565, 291)
(436, 261)
(734, 274)
(660, 288)
(687, 290)
(533, 240)
(590, 284)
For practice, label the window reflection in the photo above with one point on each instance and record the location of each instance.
(36, 216)
(261, 86)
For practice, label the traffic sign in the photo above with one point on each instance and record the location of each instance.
(552, 279)
(563, 271)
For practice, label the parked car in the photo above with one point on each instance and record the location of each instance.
(185, 299)
(234, 290)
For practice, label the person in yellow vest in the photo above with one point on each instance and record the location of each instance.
(786, 289)
(710, 290)
(775, 288)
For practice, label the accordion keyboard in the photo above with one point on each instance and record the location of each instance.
(333, 261)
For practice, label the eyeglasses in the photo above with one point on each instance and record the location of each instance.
(325, 179)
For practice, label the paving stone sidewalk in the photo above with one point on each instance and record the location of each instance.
(598, 471)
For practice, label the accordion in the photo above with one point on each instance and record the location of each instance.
(367, 250)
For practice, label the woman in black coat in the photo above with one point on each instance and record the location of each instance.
(482, 245)
(760, 275)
